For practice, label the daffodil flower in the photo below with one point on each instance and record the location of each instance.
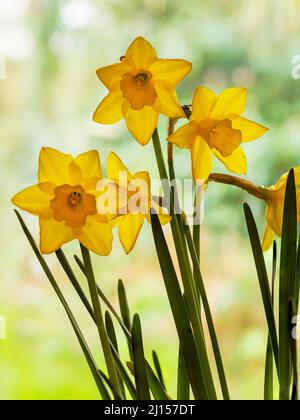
(134, 201)
(216, 127)
(274, 198)
(65, 202)
(141, 87)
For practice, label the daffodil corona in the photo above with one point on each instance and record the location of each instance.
(65, 202)
(216, 127)
(141, 87)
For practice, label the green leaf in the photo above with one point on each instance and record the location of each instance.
(115, 393)
(69, 272)
(183, 383)
(268, 385)
(158, 368)
(106, 301)
(186, 272)
(209, 318)
(179, 311)
(263, 280)
(113, 339)
(86, 351)
(99, 318)
(124, 307)
(140, 373)
(287, 284)
(121, 370)
(157, 390)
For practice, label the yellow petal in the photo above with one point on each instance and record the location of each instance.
(203, 101)
(275, 213)
(115, 166)
(249, 129)
(141, 53)
(230, 101)
(113, 73)
(90, 166)
(145, 177)
(129, 229)
(236, 162)
(172, 70)
(54, 166)
(185, 136)
(97, 236)
(33, 200)
(53, 235)
(268, 239)
(109, 110)
(201, 159)
(141, 123)
(166, 102)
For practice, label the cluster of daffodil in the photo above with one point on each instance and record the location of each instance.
(141, 87)
(66, 198)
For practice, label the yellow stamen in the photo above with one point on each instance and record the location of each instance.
(141, 78)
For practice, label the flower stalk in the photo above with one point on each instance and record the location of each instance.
(242, 183)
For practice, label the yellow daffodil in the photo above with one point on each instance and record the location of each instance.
(134, 201)
(274, 198)
(217, 127)
(65, 202)
(141, 87)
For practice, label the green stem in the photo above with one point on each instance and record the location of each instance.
(99, 318)
(209, 318)
(86, 351)
(186, 275)
(256, 191)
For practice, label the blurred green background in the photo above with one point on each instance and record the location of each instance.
(52, 49)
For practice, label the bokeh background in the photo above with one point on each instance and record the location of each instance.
(52, 49)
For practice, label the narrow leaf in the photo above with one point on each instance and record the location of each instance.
(140, 373)
(158, 368)
(113, 339)
(86, 351)
(124, 307)
(263, 280)
(179, 311)
(106, 301)
(268, 385)
(183, 383)
(287, 284)
(105, 344)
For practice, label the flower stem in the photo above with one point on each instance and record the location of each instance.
(244, 184)
(209, 318)
(99, 318)
(186, 275)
